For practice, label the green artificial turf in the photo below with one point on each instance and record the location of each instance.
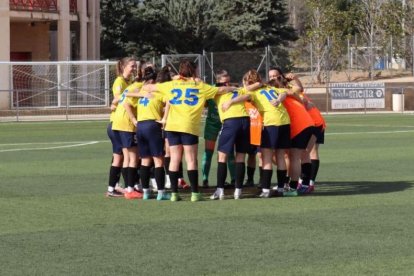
(55, 219)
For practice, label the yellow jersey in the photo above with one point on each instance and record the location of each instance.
(235, 110)
(186, 98)
(121, 119)
(272, 116)
(151, 109)
(120, 84)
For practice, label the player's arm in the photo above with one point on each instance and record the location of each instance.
(241, 98)
(139, 93)
(226, 89)
(294, 80)
(131, 115)
(253, 86)
(280, 99)
(165, 116)
(114, 103)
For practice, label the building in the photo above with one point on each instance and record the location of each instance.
(49, 30)
(41, 31)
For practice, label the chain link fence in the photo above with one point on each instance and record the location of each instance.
(55, 90)
(82, 90)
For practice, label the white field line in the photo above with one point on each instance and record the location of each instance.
(370, 132)
(85, 143)
(49, 148)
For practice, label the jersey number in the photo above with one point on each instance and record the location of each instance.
(190, 97)
(144, 101)
(270, 95)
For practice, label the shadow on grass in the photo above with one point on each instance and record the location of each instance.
(339, 188)
(361, 187)
(325, 189)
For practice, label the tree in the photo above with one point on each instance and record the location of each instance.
(254, 24)
(115, 14)
(368, 22)
(327, 23)
(156, 26)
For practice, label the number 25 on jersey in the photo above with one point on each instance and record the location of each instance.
(190, 96)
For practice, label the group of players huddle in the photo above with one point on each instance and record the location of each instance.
(156, 118)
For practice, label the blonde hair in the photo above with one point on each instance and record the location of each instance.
(252, 77)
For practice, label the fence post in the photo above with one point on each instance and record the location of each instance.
(59, 84)
(106, 83)
(67, 104)
(17, 106)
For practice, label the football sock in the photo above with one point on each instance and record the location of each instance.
(281, 178)
(240, 171)
(293, 184)
(160, 177)
(250, 173)
(221, 174)
(306, 173)
(174, 181)
(132, 176)
(315, 168)
(114, 175)
(145, 176)
(193, 177)
(206, 163)
(267, 178)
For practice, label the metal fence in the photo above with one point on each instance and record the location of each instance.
(363, 97)
(28, 88)
(82, 90)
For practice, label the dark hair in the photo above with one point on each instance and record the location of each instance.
(149, 74)
(221, 74)
(187, 69)
(164, 75)
(277, 69)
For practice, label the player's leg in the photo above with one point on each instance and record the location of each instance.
(206, 161)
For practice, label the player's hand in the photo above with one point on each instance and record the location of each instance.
(162, 122)
(275, 102)
(113, 107)
(290, 76)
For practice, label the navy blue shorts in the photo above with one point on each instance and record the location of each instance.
(116, 144)
(149, 139)
(180, 138)
(126, 139)
(319, 132)
(275, 137)
(235, 133)
(301, 140)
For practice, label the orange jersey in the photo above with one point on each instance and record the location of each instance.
(299, 117)
(256, 123)
(315, 114)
